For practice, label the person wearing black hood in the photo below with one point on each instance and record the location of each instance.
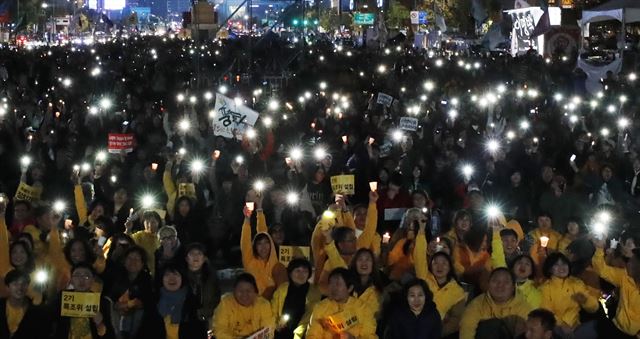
(188, 221)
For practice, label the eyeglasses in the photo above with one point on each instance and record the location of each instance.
(171, 237)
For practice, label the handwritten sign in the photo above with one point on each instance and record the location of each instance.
(187, 190)
(343, 184)
(342, 321)
(120, 142)
(230, 117)
(408, 124)
(263, 333)
(79, 304)
(384, 99)
(288, 253)
(28, 193)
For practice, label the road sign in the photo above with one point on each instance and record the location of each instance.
(364, 18)
(418, 17)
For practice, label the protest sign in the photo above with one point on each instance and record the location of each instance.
(343, 184)
(408, 124)
(120, 142)
(384, 99)
(79, 304)
(187, 190)
(288, 253)
(230, 117)
(342, 321)
(262, 333)
(28, 193)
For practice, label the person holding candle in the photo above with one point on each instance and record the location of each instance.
(545, 235)
(259, 257)
(293, 301)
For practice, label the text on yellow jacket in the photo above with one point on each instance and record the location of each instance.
(233, 321)
(352, 316)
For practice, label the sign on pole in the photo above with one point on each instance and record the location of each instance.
(418, 17)
(364, 18)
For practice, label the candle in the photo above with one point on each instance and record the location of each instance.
(344, 139)
(216, 154)
(371, 141)
(373, 185)
(154, 166)
(544, 241)
(386, 237)
(250, 206)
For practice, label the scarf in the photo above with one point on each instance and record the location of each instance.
(294, 303)
(171, 303)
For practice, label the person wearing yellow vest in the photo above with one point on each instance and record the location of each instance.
(497, 309)
(439, 275)
(565, 295)
(147, 238)
(544, 229)
(293, 301)
(243, 312)
(259, 257)
(626, 323)
(341, 314)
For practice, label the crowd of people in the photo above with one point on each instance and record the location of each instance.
(491, 196)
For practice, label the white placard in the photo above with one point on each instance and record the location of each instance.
(229, 117)
(408, 123)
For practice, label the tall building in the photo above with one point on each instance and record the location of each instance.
(178, 6)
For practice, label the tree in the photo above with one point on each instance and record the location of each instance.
(398, 15)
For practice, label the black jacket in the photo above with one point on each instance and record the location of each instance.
(405, 324)
(62, 325)
(34, 324)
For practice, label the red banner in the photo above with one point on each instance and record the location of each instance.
(120, 142)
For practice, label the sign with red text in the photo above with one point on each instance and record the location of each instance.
(120, 142)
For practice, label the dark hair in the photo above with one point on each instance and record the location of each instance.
(83, 265)
(106, 224)
(172, 267)
(374, 278)
(30, 265)
(141, 252)
(89, 256)
(22, 202)
(546, 317)
(505, 270)
(27, 238)
(422, 193)
(340, 233)
(417, 282)
(247, 278)
(94, 204)
(508, 232)
(636, 253)
(518, 258)
(260, 237)
(551, 260)
(543, 213)
(152, 215)
(461, 214)
(345, 274)
(177, 205)
(195, 246)
(452, 273)
(299, 262)
(474, 237)
(14, 275)
(115, 243)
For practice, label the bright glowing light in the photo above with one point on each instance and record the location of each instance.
(184, 125)
(239, 159)
(251, 133)
(59, 206)
(439, 63)
(573, 118)
(85, 167)
(524, 124)
(533, 93)
(222, 89)
(41, 277)
(197, 166)
(611, 108)
(519, 93)
(101, 156)
(66, 82)
(493, 211)
(93, 110)
(273, 104)
(605, 132)
(382, 68)
(429, 86)
(323, 85)
(208, 96)
(105, 103)
(319, 153)
(623, 98)
(95, 71)
(455, 101)
(623, 122)
(453, 113)
(328, 215)
(511, 135)
(557, 97)
(467, 171)
(493, 145)
(397, 135)
(267, 121)
(25, 161)
(148, 201)
(259, 185)
(296, 153)
(180, 97)
(632, 77)
(292, 198)
(593, 103)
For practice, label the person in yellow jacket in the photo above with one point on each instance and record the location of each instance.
(243, 312)
(368, 284)
(523, 268)
(400, 258)
(341, 315)
(293, 301)
(626, 323)
(87, 215)
(565, 295)
(338, 216)
(439, 275)
(498, 308)
(259, 257)
(46, 219)
(573, 232)
(148, 238)
(544, 229)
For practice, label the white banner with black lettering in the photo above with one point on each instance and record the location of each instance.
(230, 117)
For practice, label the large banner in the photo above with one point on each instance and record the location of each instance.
(524, 23)
(231, 117)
